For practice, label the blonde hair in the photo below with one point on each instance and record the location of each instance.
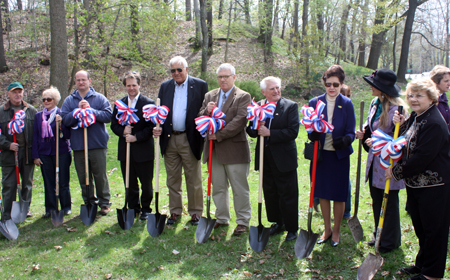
(386, 101)
(438, 73)
(54, 93)
(424, 84)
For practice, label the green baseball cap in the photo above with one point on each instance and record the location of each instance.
(14, 86)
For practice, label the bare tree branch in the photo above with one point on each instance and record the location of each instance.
(428, 41)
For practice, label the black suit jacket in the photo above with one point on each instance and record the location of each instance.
(142, 150)
(283, 132)
(196, 93)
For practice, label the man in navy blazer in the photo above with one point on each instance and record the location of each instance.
(181, 143)
(280, 182)
(139, 135)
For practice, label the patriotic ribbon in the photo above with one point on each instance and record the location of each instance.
(256, 113)
(125, 115)
(155, 114)
(387, 148)
(17, 123)
(85, 117)
(313, 120)
(211, 124)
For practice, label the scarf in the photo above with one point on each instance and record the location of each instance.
(47, 132)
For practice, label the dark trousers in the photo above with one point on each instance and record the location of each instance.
(143, 171)
(48, 169)
(280, 194)
(429, 209)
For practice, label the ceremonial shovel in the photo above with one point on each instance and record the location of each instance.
(57, 216)
(353, 223)
(372, 263)
(88, 212)
(8, 228)
(19, 208)
(156, 222)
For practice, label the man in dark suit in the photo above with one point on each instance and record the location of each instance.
(280, 183)
(141, 147)
(181, 143)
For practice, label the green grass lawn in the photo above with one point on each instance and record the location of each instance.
(104, 250)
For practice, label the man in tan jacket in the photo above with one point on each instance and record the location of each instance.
(231, 153)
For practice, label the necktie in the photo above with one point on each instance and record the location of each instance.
(224, 98)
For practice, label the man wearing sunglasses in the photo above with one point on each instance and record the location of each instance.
(9, 147)
(181, 144)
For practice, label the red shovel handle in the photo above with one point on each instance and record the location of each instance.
(313, 175)
(17, 161)
(209, 166)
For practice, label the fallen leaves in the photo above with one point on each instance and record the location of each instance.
(57, 247)
(175, 252)
(71, 229)
(35, 267)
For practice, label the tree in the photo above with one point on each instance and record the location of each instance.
(265, 28)
(198, 26)
(205, 36)
(58, 61)
(209, 21)
(343, 32)
(134, 18)
(3, 66)
(188, 10)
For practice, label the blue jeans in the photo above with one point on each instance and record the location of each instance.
(48, 169)
(348, 203)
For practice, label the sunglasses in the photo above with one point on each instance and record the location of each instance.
(335, 85)
(47, 99)
(174, 70)
(130, 72)
(224, 77)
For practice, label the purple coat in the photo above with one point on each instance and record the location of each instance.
(378, 178)
(444, 109)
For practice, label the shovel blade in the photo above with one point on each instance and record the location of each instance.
(258, 237)
(125, 217)
(19, 211)
(305, 243)
(369, 267)
(204, 229)
(356, 228)
(88, 212)
(57, 217)
(9, 229)
(156, 224)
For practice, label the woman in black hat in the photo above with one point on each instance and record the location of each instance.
(381, 110)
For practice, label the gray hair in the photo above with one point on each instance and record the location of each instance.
(226, 66)
(263, 83)
(54, 93)
(178, 59)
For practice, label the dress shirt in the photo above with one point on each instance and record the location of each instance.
(180, 106)
(223, 97)
(134, 101)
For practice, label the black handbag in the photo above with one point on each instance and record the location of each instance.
(308, 152)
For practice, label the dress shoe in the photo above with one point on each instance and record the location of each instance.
(67, 212)
(173, 218)
(240, 229)
(217, 224)
(29, 214)
(195, 219)
(47, 215)
(144, 216)
(104, 210)
(291, 236)
(320, 241)
(371, 243)
(418, 277)
(411, 270)
(276, 229)
(335, 243)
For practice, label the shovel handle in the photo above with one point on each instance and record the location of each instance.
(358, 168)
(127, 160)
(57, 159)
(158, 102)
(86, 160)
(261, 162)
(210, 166)
(16, 155)
(313, 175)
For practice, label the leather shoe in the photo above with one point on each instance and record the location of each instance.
(321, 241)
(104, 210)
(411, 270)
(418, 277)
(276, 229)
(240, 229)
(334, 243)
(29, 214)
(291, 236)
(47, 215)
(217, 224)
(67, 212)
(173, 218)
(371, 243)
(195, 219)
(144, 216)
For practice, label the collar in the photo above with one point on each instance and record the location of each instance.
(135, 99)
(7, 105)
(184, 84)
(226, 93)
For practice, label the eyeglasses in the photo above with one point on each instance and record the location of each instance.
(130, 72)
(47, 99)
(335, 85)
(179, 70)
(224, 77)
(416, 96)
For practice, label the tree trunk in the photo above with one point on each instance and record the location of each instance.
(58, 61)
(276, 25)
(198, 26)
(19, 5)
(265, 28)
(228, 31)
(362, 38)
(219, 16)
(203, 8)
(295, 24)
(285, 19)
(343, 32)
(134, 18)
(3, 66)
(209, 19)
(394, 47)
(6, 16)
(87, 32)
(304, 43)
(188, 10)
(406, 40)
(247, 11)
(377, 39)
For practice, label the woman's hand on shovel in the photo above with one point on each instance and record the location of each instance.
(388, 173)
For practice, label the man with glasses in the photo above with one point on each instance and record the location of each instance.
(231, 153)
(84, 97)
(23, 146)
(181, 143)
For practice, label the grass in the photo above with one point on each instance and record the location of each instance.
(103, 250)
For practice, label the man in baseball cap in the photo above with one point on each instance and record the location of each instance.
(15, 85)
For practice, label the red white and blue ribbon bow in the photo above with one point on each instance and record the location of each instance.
(156, 114)
(313, 120)
(125, 115)
(387, 148)
(85, 117)
(256, 113)
(17, 123)
(211, 124)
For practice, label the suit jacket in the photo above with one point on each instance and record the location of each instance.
(142, 150)
(196, 93)
(283, 131)
(231, 144)
(343, 121)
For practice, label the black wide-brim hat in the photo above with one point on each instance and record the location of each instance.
(384, 80)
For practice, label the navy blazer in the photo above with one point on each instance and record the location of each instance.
(344, 121)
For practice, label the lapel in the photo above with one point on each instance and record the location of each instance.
(215, 97)
(279, 110)
(229, 99)
(337, 112)
(190, 93)
(170, 94)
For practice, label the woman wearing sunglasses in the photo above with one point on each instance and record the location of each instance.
(381, 110)
(44, 152)
(333, 172)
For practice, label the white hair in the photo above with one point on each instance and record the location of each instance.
(226, 66)
(178, 59)
(263, 84)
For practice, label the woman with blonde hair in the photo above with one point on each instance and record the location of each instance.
(440, 75)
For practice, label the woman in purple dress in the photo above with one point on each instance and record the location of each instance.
(440, 75)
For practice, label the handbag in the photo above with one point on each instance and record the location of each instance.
(308, 152)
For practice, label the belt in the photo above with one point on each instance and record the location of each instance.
(178, 132)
